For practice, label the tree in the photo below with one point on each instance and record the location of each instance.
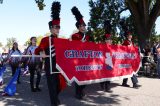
(40, 4)
(1, 44)
(143, 12)
(10, 42)
(102, 10)
(1, 1)
(39, 38)
(27, 42)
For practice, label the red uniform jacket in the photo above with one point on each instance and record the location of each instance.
(79, 36)
(127, 43)
(44, 46)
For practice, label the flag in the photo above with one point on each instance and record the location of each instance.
(2, 70)
(11, 87)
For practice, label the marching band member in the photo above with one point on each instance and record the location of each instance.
(1, 65)
(108, 39)
(34, 65)
(81, 26)
(14, 61)
(128, 42)
(47, 47)
(1, 60)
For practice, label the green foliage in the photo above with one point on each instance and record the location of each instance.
(155, 38)
(39, 38)
(40, 4)
(1, 44)
(1, 1)
(10, 42)
(100, 11)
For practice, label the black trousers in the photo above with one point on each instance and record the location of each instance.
(105, 85)
(53, 87)
(79, 89)
(133, 78)
(14, 68)
(34, 69)
(52, 81)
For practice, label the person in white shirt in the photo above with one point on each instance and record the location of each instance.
(14, 61)
(1, 65)
(34, 65)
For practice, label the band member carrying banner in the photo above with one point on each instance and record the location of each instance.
(55, 80)
(128, 42)
(34, 65)
(81, 26)
(108, 39)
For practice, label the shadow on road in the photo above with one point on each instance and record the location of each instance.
(24, 96)
(94, 97)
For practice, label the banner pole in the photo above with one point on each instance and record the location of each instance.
(29, 56)
(50, 55)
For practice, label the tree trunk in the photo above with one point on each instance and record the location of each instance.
(143, 34)
(144, 18)
(143, 38)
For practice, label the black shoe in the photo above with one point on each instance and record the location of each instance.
(33, 90)
(18, 82)
(83, 94)
(102, 86)
(1, 83)
(38, 89)
(136, 86)
(58, 102)
(125, 85)
(108, 90)
(79, 97)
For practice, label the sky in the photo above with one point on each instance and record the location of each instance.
(22, 19)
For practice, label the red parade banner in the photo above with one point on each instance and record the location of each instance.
(87, 63)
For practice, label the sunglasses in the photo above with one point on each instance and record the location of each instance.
(82, 25)
(56, 27)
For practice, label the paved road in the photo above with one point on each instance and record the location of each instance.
(147, 95)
